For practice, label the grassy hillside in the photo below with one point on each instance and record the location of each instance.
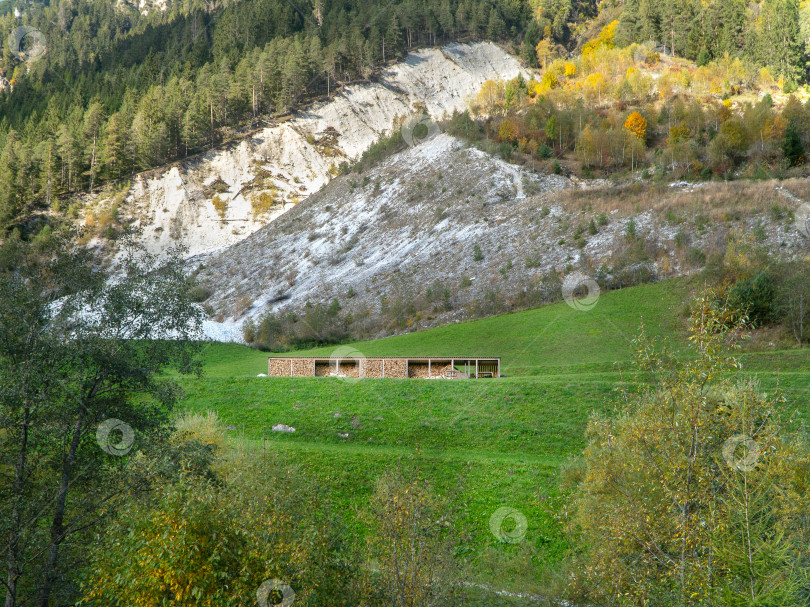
(503, 440)
(550, 339)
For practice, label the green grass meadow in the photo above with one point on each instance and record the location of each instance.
(490, 442)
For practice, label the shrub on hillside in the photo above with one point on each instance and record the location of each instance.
(462, 126)
(315, 325)
(199, 293)
(413, 543)
(200, 540)
(792, 147)
(754, 297)
(385, 146)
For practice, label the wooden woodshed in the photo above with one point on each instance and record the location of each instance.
(424, 367)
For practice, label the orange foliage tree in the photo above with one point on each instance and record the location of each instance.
(636, 124)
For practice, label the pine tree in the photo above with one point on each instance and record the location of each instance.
(9, 187)
(792, 147)
(93, 122)
(393, 40)
(628, 30)
(66, 145)
(195, 124)
(496, 27)
(446, 20)
(530, 40)
(779, 43)
(46, 160)
(115, 152)
(731, 36)
(650, 21)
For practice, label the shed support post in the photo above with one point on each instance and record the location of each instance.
(383, 368)
(476, 368)
(428, 367)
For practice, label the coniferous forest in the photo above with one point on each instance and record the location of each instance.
(122, 89)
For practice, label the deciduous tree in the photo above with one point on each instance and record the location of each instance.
(77, 351)
(695, 492)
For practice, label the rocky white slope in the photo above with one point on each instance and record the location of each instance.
(265, 175)
(407, 223)
(412, 223)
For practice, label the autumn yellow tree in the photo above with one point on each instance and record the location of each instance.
(412, 544)
(545, 52)
(594, 86)
(547, 82)
(490, 96)
(637, 125)
(605, 39)
(677, 143)
(586, 146)
(508, 131)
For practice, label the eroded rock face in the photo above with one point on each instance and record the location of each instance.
(218, 198)
(411, 220)
(471, 228)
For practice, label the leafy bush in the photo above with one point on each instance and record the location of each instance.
(695, 257)
(199, 293)
(200, 540)
(317, 324)
(462, 126)
(754, 296)
(220, 204)
(385, 146)
(630, 229)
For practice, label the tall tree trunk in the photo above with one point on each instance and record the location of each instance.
(58, 530)
(12, 558)
(93, 163)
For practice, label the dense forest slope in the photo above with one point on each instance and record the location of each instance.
(116, 91)
(219, 197)
(95, 91)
